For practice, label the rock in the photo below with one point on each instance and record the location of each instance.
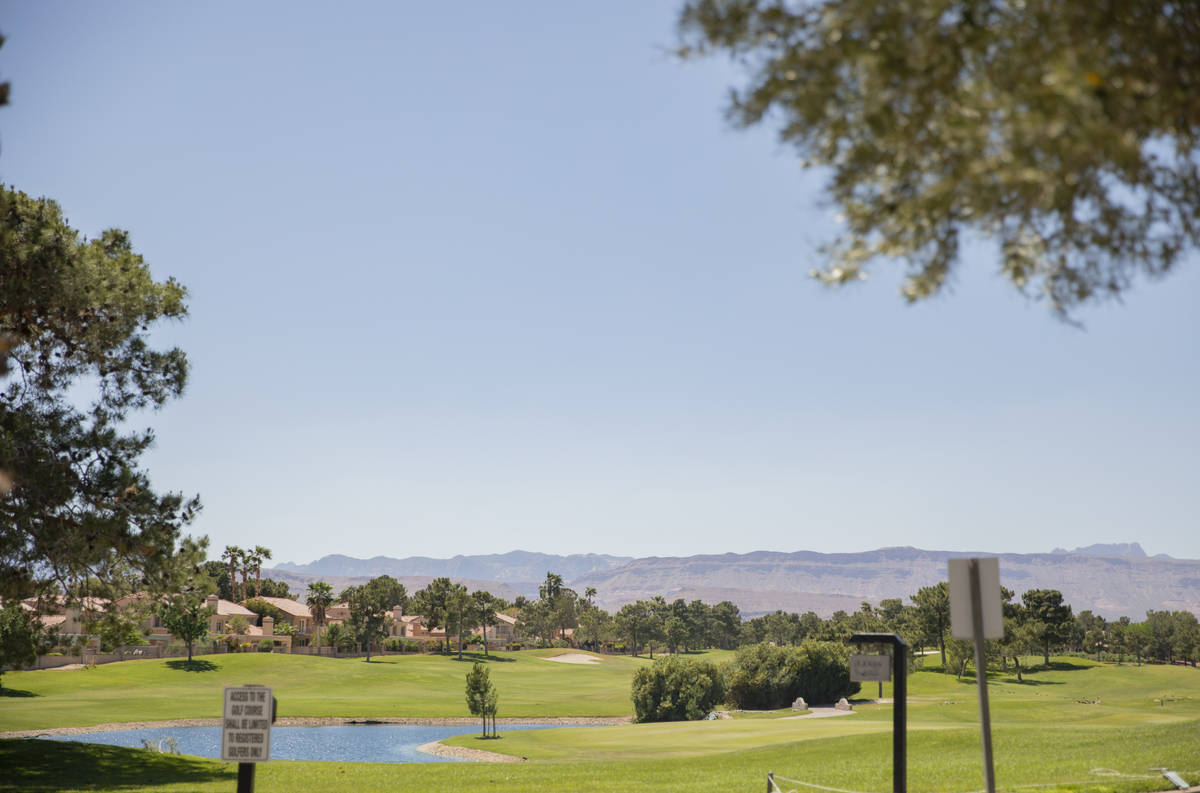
(842, 704)
(799, 704)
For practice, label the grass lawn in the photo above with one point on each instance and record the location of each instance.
(1076, 726)
(394, 685)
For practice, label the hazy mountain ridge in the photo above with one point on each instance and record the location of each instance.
(1112, 580)
(514, 566)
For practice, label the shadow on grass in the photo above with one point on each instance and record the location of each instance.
(38, 765)
(16, 692)
(478, 656)
(195, 665)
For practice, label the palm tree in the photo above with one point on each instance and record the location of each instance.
(320, 597)
(258, 556)
(233, 555)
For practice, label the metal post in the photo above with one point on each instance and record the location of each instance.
(899, 717)
(899, 703)
(245, 778)
(989, 773)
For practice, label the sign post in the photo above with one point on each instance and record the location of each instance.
(246, 722)
(976, 614)
(876, 667)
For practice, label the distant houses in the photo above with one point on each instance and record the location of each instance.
(72, 623)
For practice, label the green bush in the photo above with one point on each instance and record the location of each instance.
(402, 646)
(764, 677)
(674, 689)
(266, 645)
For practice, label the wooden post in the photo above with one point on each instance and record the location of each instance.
(770, 782)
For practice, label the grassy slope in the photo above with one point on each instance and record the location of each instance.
(420, 685)
(1043, 734)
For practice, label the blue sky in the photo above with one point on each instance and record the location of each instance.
(466, 280)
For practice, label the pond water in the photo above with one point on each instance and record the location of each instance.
(362, 743)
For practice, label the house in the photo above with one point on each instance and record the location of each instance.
(504, 631)
(225, 610)
(65, 616)
(293, 613)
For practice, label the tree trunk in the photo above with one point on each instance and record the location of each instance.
(1017, 666)
(942, 645)
(1046, 654)
(189, 652)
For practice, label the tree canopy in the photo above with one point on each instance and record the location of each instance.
(74, 320)
(1064, 131)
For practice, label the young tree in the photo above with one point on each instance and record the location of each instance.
(320, 598)
(1069, 136)
(482, 699)
(74, 321)
(186, 617)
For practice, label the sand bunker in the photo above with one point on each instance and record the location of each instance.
(574, 658)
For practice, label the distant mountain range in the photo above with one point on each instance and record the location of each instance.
(1112, 580)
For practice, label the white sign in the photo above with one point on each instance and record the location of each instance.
(864, 668)
(246, 724)
(989, 599)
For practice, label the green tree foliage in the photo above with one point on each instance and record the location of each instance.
(482, 697)
(320, 598)
(675, 689)
(764, 677)
(725, 623)
(933, 614)
(1045, 608)
(20, 635)
(431, 604)
(1065, 131)
(74, 319)
(486, 605)
(633, 622)
(263, 609)
(370, 610)
(186, 617)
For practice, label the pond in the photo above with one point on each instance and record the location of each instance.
(363, 743)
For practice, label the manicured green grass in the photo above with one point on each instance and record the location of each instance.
(396, 685)
(1076, 726)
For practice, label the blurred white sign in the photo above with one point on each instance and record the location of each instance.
(989, 595)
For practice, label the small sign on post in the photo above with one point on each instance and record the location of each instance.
(865, 668)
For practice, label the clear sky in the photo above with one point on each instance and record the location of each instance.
(474, 278)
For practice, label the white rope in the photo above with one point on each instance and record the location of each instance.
(1105, 772)
(809, 784)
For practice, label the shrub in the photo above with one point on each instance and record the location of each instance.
(674, 689)
(560, 643)
(266, 645)
(764, 677)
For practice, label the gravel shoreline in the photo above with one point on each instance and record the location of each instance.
(285, 721)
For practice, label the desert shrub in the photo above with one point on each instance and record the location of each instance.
(765, 677)
(674, 689)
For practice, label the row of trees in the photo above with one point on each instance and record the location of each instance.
(1041, 622)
